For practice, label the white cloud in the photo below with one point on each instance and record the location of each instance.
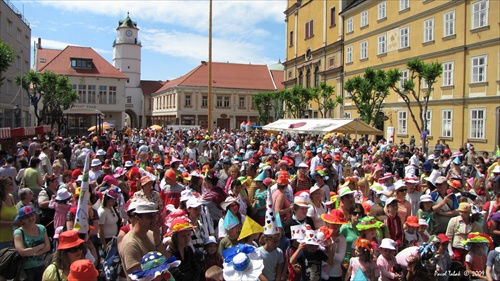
(58, 45)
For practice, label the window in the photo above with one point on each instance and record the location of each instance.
(480, 14)
(289, 74)
(364, 50)
(381, 10)
(428, 117)
(347, 115)
(18, 62)
(350, 26)
(404, 37)
(348, 56)
(204, 101)
(316, 76)
(9, 27)
(18, 35)
(447, 121)
(333, 16)
(402, 123)
(129, 99)
(290, 43)
(103, 94)
(403, 78)
(404, 4)
(364, 19)
(448, 74)
(308, 78)
(187, 100)
(242, 102)
(331, 62)
(226, 101)
(81, 63)
(477, 123)
(382, 47)
(449, 23)
(309, 29)
(92, 94)
(9, 87)
(478, 69)
(82, 92)
(301, 77)
(429, 30)
(112, 94)
(219, 102)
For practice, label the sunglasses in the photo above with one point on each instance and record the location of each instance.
(357, 213)
(402, 190)
(75, 249)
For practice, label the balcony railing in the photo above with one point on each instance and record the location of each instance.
(16, 11)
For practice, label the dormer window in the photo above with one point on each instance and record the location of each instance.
(81, 63)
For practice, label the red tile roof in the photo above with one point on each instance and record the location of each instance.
(230, 75)
(60, 63)
(45, 56)
(149, 87)
(279, 77)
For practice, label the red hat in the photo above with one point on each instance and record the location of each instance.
(327, 156)
(443, 238)
(412, 221)
(267, 182)
(335, 216)
(171, 174)
(76, 173)
(69, 239)
(82, 270)
(337, 158)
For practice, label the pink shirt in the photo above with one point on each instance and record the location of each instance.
(286, 205)
(385, 267)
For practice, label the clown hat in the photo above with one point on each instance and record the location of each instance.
(271, 223)
(313, 237)
(242, 262)
(476, 237)
(250, 227)
(179, 224)
(260, 177)
(153, 264)
(298, 232)
(368, 223)
(335, 216)
(230, 221)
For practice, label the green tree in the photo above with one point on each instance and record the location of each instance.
(368, 93)
(411, 89)
(296, 100)
(55, 92)
(269, 105)
(324, 96)
(7, 55)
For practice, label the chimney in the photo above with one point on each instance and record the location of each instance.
(203, 62)
(39, 45)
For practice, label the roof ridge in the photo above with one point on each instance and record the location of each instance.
(47, 63)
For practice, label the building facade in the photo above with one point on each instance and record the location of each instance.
(314, 47)
(14, 31)
(462, 35)
(184, 101)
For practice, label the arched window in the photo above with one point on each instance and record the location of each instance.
(301, 76)
(308, 78)
(316, 76)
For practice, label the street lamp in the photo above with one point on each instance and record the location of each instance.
(17, 116)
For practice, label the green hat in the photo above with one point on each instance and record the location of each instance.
(368, 223)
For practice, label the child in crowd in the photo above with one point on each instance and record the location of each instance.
(411, 236)
(310, 256)
(212, 256)
(387, 261)
(441, 243)
(425, 212)
(214, 273)
(475, 261)
(298, 234)
(272, 256)
(393, 221)
(363, 267)
(61, 203)
(232, 226)
(422, 231)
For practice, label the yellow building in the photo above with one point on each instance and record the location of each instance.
(314, 47)
(462, 35)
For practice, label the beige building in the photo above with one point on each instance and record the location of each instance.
(15, 31)
(184, 101)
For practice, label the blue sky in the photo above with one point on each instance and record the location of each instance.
(174, 34)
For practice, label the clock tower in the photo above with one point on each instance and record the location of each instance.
(127, 59)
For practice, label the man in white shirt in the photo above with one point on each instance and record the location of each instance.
(95, 170)
(415, 162)
(316, 161)
(45, 165)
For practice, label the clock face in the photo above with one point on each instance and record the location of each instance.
(129, 33)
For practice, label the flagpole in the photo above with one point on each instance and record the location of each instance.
(210, 69)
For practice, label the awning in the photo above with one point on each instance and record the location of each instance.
(323, 126)
(82, 111)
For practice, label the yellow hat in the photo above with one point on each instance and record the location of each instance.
(464, 207)
(250, 227)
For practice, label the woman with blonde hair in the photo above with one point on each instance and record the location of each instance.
(234, 173)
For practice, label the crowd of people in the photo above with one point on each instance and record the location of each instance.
(236, 205)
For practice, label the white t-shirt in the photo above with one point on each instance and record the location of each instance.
(108, 220)
(45, 161)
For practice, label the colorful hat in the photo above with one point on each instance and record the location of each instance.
(298, 232)
(283, 178)
(444, 238)
(345, 191)
(368, 223)
(63, 194)
(82, 270)
(119, 172)
(179, 224)
(69, 239)
(464, 207)
(229, 200)
(313, 237)
(154, 264)
(412, 221)
(363, 243)
(260, 177)
(302, 199)
(24, 212)
(267, 182)
(456, 161)
(386, 176)
(250, 227)
(411, 179)
(476, 237)
(325, 233)
(457, 184)
(230, 221)
(242, 263)
(271, 223)
(335, 216)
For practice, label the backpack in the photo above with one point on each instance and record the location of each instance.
(111, 262)
(11, 262)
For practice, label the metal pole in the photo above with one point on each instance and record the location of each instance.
(210, 68)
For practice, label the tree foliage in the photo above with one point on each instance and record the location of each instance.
(53, 90)
(411, 90)
(296, 101)
(324, 96)
(269, 105)
(368, 93)
(7, 55)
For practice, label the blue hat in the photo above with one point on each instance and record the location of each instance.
(154, 264)
(261, 177)
(427, 166)
(456, 161)
(230, 221)
(24, 212)
(297, 148)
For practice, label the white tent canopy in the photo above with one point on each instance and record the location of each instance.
(322, 126)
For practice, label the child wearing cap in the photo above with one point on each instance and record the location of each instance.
(387, 261)
(363, 265)
(310, 256)
(411, 236)
(212, 256)
(425, 211)
(441, 243)
(61, 203)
